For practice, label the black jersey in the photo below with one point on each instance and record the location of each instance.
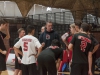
(81, 46)
(2, 46)
(55, 53)
(2, 36)
(2, 56)
(95, 42)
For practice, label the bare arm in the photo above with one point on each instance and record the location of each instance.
(66, 43)
(39, 51)
(63, 37)
(17, 51)
(58, 63)
(70, 46)
(3, 52)
(95, 49)
(7, 32)
(90, 62)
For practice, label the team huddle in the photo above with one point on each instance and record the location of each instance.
(43, 56)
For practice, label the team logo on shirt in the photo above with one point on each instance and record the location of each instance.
(47, 36)
(84, 42)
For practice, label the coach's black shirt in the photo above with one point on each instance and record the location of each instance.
(2, 46)
(81, 46)
(55, 53)
(15, 41)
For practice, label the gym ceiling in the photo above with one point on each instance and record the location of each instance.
(73, 5)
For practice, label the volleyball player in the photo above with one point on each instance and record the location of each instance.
(82, 48)
(29, 43)
(4, 26)
(18, 57)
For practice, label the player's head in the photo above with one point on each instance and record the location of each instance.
(42, 29)
(72, 28)
(55, 42)
(49, 26)
(78, 25)
(21, 32)
(90, 27)
(3, 24)
(85, 27)
(30, 29)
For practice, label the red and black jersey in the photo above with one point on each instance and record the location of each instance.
(82, 44)
(69, 39)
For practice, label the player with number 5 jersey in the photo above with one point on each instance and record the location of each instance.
(29, 43)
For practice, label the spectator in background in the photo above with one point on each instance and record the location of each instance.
(48, 35)
(18, 57)
(4, 26)
(42, 29)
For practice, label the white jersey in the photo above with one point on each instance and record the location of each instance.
(28, 44)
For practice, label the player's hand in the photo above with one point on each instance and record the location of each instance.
(43, 44)
(4, 52)
(19, 60)
(90, 72)
(6, 27)
(36, 56)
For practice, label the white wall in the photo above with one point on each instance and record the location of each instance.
(39, 9)
(8, 8)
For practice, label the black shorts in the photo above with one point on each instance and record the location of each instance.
(30, 69)
(79, 69)
(46, 64)
(2, 63)
(17, 64)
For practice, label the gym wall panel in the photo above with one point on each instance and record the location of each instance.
(2, 8)
(8, 8)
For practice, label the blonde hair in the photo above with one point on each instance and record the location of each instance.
(20, 29)
(72, 25)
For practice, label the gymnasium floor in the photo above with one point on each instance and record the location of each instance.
(10, 71)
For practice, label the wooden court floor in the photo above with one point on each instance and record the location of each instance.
(60, 73)
(10, 71)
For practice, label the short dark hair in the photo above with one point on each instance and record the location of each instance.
(90, 27)
(3, 21)
(85, 27)
(78, 23)
(55, 42)
(30, 28)
(20, 29)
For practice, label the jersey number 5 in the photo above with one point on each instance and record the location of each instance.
(25, 46)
